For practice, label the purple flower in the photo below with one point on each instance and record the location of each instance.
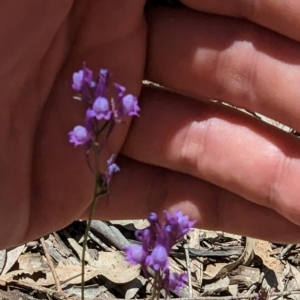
(127, 105)
(79, 136)
(157, 240)
(111, 169)
(101, 109)
(135, 254)
(158, 258)
(153, 218)
(81, 79)
(177, 224)
(175, 281)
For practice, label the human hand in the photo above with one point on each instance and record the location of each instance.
(45, 182)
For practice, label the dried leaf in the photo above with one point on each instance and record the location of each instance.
(208, 234)
(263, 250)
(272, 279)
(131, 288)
(33, 261)
(118, 270)
(2, 260)
(245, 275)
(212, 270)
(216, 287)
(111, 265)
(294, 282)
(196, 264)
(222, 269)
(132, 224)
(90, 291)
(233, 289)
(12, 256)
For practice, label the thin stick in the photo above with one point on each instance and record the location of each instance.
(187, 257)
(50, 263)
(285, 250)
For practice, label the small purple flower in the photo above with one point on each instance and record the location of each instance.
(153, 218)
(101, 109)
(157, 240)
(178, 224)
(79, 136)
(158, 258)
(135, 254)
(81, 78)
(111, 169)
(175, 281)
(127, 105)
(130, 106)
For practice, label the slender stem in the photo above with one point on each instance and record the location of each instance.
(154, 287)
(156, 292)
(88, 226)
(159, 284)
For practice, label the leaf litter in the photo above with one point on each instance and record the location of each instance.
(221, 266)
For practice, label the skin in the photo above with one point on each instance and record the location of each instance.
(224, 168)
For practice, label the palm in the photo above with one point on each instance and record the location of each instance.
(46, 168)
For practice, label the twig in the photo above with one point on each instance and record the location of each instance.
(113, 236)
(286, 250)
(214, 253)
(187, 257)
(99, 242)
(50, 263)
(251, 289)
(200, 279)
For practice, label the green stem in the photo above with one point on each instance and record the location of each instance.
(88, 226)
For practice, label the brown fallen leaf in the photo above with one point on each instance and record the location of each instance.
(263, 250)
(12, 256)
(221, 269)
(110, 264)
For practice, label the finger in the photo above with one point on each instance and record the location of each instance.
(226, 59)
(62, 182)
(221, 145)
(280, 16)
(25, 84)
(139, 189)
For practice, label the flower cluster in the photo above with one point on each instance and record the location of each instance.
(104, 100)
(157, 241)
(107, 102)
